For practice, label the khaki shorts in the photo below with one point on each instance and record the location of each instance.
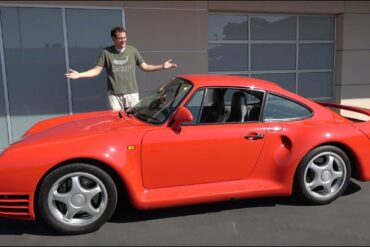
(121, 101)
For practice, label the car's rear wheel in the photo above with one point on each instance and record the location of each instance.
(323, 175)
(77, 198)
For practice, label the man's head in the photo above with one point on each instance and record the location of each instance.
(119, 37)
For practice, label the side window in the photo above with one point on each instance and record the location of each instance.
(279, 108)
(243, 105)
(225, 105)
(213, 109)
(194, 106)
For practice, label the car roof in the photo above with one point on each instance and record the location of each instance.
(207, 80)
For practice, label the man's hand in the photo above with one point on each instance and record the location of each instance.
(165, 65)
(73, 74)
(168, 64)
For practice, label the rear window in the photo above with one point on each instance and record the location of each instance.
(280, 108)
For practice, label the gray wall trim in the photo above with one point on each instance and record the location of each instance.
(322, 98)
(352, 84)
(249, 46)
(184, 51)
(334, 59)
(297, 56)
(58, 6)
(257, 72)
(66, 54)
(176, 9)
(343, 50)
(5, 85)
(123, 18)
(354, 13)
(271, 41)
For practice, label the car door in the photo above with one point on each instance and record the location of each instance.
(202, 152)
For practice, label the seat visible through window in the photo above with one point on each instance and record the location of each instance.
(238, 110)
(254, 113)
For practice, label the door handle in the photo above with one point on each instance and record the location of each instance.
(254, 136)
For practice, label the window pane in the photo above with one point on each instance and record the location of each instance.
(227, 57)
(227, 27)
(286, 81)
(213, 108)
(316, 27)
(273, 57)
(279, 108)
(236, 105)
(315, 85)
(194, 106)
(4, 141)
(227, 105)
(273, 27)
(324, 100)
(35, 64)
(242, 105)
(316, 56)
(85, 43)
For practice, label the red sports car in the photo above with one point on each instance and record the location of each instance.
(197, 139)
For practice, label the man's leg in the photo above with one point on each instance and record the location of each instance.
(131, 99)
(116, 102)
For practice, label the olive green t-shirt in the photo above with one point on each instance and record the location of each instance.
(121, 69)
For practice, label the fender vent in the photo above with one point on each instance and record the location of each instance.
(14, 205)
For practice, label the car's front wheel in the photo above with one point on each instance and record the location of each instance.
(77, 198)
(323, 175)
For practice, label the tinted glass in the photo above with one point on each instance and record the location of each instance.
(286, 81)
(88, 32)
(35, 65)
(242, 105)
(273, 56)
(273, 27)
(316, 56)
(213, 107)
(159, 106)
(314, 85)
(324, 100)
(4, 139)
(273, 49)
(227, 27)
(279, 108)
(194, 106)
(316, 27)
(227, 105)
(228, 57)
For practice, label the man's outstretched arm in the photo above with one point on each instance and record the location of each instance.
(73, 74)
(166, 65)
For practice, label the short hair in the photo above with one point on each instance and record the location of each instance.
(116, 29)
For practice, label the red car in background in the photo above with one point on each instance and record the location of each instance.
(197, 139)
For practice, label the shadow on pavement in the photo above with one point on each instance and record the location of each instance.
(129, 214)
(126, 213)
(20, 227)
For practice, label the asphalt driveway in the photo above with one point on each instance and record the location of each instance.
(267, 221)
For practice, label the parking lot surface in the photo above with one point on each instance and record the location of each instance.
(263, 221)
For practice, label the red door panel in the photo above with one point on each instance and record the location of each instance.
(200, 154)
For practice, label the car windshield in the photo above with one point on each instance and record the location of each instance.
(159, 106)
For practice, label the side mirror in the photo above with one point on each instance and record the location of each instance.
(181, 115)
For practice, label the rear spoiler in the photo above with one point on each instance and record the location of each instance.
(347, 107)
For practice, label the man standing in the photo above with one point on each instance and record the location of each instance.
(120, 61)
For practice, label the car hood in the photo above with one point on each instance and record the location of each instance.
(80, 125)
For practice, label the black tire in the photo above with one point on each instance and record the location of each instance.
(322, 175)
(77, 198)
